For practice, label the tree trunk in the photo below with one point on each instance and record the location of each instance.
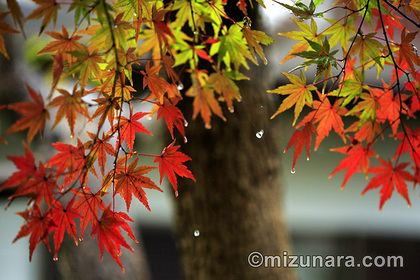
(235, 207)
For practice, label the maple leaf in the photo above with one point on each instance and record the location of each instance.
(128, 128)
(340, 32)
(391, 107)
(357, 159)
(410, 142)
(328, 116)
(298, 94)
(172, 115)
(129, 181)
(108, 233)
(41, 186)
(156, 84)
(107, 106)
(71, 158)
(367, 108)
(69, 105)
(367, 47)
(88, 205)
(171, 163)
(87, 64)
(406, 52)
(35, 115)
(99, 148)
(301, 138)
(223, 83)
(5, 29)
(16, 12)
(37, 225)
(63, 44)
(48, 11)
(26, 168)
(389, 21)
(63, 219)
(308, 32)
(254, 38)
(390, 176)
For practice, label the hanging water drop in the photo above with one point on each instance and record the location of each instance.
(231, 109)
(185, 139)
(207, 126)
(293, 171)
(307, 158)
(80, 239)
(180, 86)
(149, 118)
(260, 134)
(196, 233)
(55, 258)
(185, 123)
(265, 61)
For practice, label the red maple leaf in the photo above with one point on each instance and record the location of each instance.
(390, 176)
(88, 205)
(63, 218)
(26, 166)
(407, 52)
(357, 159)
(38, 226)
(301, 138)
(99, 148)
(71, 158)
(35, 115)
(108, 233)
(129, 127)
(172, 115)
(170, 163)
(129, 181)
(40, 186)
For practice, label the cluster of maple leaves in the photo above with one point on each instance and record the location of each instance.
(109, 42)
(370, 34)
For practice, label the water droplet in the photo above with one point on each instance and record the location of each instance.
(207, 126)
(262, 106)
(55, 258)
(259, 134)
(195, 32)
(80, 239)
(307, 158)
(185, 123)
(265, 61)
(176, 193)
(149, 118)
(180, 86)
(72, 136)
(293, 171)
(196, 233)
(185, 139)
(231, 109)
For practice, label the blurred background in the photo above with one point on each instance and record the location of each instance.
(322, 219)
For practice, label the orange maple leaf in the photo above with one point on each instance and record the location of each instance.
(35, 115)
(5, 29)
(390, 176)
(130, 180)
(47, 10)
(406, 51)
(357, 159)
(328, 116)
(69, 105)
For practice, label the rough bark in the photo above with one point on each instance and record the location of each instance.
(236, 203)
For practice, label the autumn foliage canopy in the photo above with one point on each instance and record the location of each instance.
(112, 43)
